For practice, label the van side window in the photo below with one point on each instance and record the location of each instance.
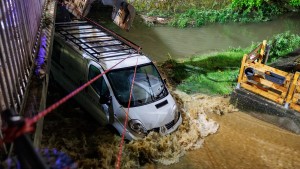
(99, 85)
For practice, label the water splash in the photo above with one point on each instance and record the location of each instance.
(93, 146)
(168, 149)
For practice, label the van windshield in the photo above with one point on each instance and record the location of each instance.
(148, 85)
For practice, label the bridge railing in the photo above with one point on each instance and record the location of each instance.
(19, 31)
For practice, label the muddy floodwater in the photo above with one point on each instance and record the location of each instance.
(244, 142)
(213, 134)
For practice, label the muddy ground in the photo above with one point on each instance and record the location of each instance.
(240, 141)
(244, 142)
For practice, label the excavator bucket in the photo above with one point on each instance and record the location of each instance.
(124, 16)
(268, 93)
(123, 13)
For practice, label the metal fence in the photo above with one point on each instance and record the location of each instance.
(19, 27)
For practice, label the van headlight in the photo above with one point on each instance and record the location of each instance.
(176, 113)
(137, 127)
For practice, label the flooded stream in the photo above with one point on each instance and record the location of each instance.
(213, 135)
(241, 141)
(160, 41)
(95, 146)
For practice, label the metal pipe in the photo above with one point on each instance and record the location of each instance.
(27, 22)
(24, 34)
(20, 22)
(24, 61)
(10, 55)
(102, 46)
(2, 83)
(81, 33)
(87, 37)
(25, 53)
(8, 80)
(27, 28)
(19, 76)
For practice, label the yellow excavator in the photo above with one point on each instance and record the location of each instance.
(266, 92)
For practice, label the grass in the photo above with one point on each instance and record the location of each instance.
(219, 82)
(217, 73)
(196, 17)
(177, 6)
(184, 13)
(210, 74)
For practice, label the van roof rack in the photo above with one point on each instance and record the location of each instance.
(96, 40)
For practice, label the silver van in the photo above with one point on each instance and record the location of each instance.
(82, 50)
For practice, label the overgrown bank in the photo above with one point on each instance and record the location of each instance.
(217, 73)
(197, 13)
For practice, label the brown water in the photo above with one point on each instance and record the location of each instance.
(93, 146)
(159, 42)
(240, 141)
(244, 142)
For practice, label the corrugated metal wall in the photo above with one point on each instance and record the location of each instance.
(19, 25)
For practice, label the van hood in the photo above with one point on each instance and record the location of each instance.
(156, 114)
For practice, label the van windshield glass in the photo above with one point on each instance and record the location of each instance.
(148, 85)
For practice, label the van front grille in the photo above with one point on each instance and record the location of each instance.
(168, 126)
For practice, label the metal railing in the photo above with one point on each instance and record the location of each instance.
(94, 40)
(19, 31)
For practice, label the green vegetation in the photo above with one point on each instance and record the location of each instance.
(217, 73)
(176, 6)
(197, 13)
(236, 12)
(198, 17)
(295, 3)
(257, 4)
(283, 43)
(210, 74)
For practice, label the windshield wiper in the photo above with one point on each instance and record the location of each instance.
(161, 92)
(151, 90)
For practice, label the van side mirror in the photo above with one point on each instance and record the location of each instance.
(105, 99)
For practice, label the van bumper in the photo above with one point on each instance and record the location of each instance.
(169, 130)
(163, 130)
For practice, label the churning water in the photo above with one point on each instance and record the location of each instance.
(94, 146)
(72, 130)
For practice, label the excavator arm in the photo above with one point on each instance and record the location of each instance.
(123, 13)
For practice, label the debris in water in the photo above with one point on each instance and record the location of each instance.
(190, 135)
(93, 146)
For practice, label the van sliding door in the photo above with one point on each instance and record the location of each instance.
(98, 89)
